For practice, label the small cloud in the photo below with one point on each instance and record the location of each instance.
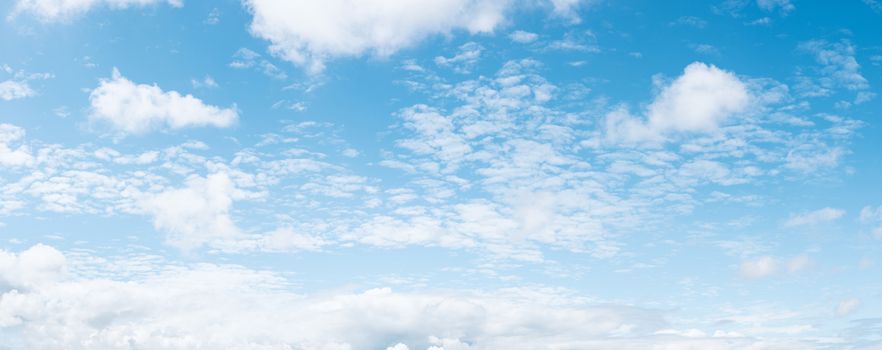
(245, 58)
(213, 17)
(760, 22)
(847, 306)
(520, 36)
(351, 152)
(690, 21)
(766, 266)
(207, 82)
(705, 49)
(814, 217)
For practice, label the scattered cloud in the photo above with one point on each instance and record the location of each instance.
(870, 215)
(62, 10)
(464, 61)
(816, 217)
(766, 266)
(245, 58)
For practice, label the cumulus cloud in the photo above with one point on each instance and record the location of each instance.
(814, 217)
(138, 108)
(198, 213)
(11, 90)
(308, 33)
(30, 269)
(59, 10)
(699, 100)
(231, 307)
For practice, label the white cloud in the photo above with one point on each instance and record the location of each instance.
(207, 82)
(11, 90)
(139, 108)
(785, 6)
(462, 62)
(814, 217)
(308, 33)
(760, 267)
(870, 215)
(59, 10)
(523, 37)
(9, 155)
(766, 266)
(198, 213)
(568, 9)
(699, 100)
(30, 269)
(245, 58)
(212, 306)
(838, 66)
(847, 306)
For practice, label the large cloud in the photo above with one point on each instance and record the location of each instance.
(309, 32)
(210, 306)
(139, 108)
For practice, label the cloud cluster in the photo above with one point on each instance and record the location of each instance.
(45, 303)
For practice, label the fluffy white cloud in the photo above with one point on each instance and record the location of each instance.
(309, 32)
(814, 217)
(208, 306)
(699, 100)
(11, 90)
(56, 10)
(139, 108)
(32, 268)
(10, 155)
(198, 213)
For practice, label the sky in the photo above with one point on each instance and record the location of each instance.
(440, 174)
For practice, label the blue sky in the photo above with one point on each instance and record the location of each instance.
(443, 174)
